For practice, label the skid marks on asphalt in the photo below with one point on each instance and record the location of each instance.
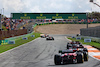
(93, 52)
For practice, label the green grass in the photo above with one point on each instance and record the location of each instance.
(88, 43)
(18, 42)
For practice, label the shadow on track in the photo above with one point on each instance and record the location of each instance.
(65, 64)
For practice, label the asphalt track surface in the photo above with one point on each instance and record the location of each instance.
(40, 53)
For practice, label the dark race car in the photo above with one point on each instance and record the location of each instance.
(74, 44)
(82, 50)
(68, 56)
(78, 47)
(49, 38)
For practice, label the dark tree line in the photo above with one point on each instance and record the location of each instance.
(94, 15)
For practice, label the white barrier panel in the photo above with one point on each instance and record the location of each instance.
(24, 38)
(95, 39)
(87, 40)
(32, 35)
(11, 42)
(73, 36)
(78, 38)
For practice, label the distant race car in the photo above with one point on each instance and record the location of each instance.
(49, 38)
(44, 35)
(74, 44)
(68, 56)
(77, 34)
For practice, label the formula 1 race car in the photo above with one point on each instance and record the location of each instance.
(49, 38)
(44, 35)
(84, 51)
(79, 47)
(74, 44)
(68, 56)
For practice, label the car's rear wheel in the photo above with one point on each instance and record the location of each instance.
(85, 56)
(85, 49)
(80, 58)
(57, 60)
(67, 46)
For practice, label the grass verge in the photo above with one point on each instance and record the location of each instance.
(19, 42)
(94, 44)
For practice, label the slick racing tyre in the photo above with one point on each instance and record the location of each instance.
(85, 56)
(57, 60)
(80, 58)
(85, 49)
(67, 46)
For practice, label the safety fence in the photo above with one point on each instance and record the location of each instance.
(93, 31)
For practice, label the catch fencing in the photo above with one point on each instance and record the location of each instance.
(93, 32)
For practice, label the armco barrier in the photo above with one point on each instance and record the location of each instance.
(42, 23)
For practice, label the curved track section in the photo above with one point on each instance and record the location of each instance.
(40, 53)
